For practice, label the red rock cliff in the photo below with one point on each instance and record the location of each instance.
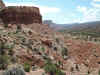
(20, 15)
(2, 5)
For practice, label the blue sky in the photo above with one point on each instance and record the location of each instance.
(63, 11)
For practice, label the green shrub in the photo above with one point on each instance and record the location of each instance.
(5, 46)
(14, 71)
(59, 63)
(11, 52)
(43, 49)
(5, 25)
(13, 59)
(43, 74)
(64, 52)
(2, 47)
(9, 46)
(99, 72)
(27, 67)
(57, 40)
(59, 72)
(52, 69)
(3, 61)
(19, 28)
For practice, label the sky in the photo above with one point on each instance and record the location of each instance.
(63, 11)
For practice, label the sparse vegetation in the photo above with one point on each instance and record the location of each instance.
(43, 49)
(99, 72)
(5, 25)
(19, 28)
(26, 40)
(52, 69)
(11, 52)
(57, 40)
(64, 51)
(14, 71)
(26, 67)
(3, 61)
(13, 59)
(2, 47)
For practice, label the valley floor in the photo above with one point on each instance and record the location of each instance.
(84, 57)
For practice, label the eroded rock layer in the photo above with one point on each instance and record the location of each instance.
(2, 5)
(20, 15)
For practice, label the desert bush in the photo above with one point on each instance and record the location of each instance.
(9, 46)
(13, 59)
(27, 67)
(64, 51)
(43, 74)
(5, 25)
(23, 40)
(45, 56)
(99, 72)
(59, 63)
(34, 67)
(59, 72)
(0, 8)
(3, 61)
(5, 46)
(52, 69)
(15, 71)
(43, 49)
(19, 28)
(55, 48)
(27, 42)
(57, 40)
(10, 52)
(2, 47)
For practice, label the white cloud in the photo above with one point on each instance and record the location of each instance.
(89, 14)
(96, 5)
(19, 4)
(96, 0)
(43, 9)
(81, 9)
(47, 10)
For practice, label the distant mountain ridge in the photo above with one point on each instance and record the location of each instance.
(55, 25)
(88, 26)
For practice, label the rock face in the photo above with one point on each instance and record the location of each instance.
(20, 15)
(2, 5)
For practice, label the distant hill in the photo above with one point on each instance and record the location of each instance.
(55, 25)
(90, 28)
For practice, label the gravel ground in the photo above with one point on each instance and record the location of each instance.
(38, 72)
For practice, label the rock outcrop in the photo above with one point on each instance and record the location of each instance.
(20, 15)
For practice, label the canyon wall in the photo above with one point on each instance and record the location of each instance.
(20, 15)
(2, 5)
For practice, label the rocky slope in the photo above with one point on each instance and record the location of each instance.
(29, 48)
(27, 45)
(37, 43)
(33, 44)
